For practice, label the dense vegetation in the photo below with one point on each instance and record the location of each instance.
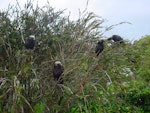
(117, 81)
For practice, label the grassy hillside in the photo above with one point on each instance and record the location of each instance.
(117, 81)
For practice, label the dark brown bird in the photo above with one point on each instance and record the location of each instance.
(30, 42)
(57, 72)
(116, 38)
(99, 47)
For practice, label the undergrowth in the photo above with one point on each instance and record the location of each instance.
(109, 83)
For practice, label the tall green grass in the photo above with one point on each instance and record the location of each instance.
(91, 84)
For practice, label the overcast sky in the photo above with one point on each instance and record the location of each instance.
(136, 12)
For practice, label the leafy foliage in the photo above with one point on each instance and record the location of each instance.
(116, 81)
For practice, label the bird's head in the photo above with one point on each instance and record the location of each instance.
(57, 63)
(31, 37)
(101, 41)
(110, 38)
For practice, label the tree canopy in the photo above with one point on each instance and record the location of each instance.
(115, 81)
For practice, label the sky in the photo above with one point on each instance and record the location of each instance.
(137, 12)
